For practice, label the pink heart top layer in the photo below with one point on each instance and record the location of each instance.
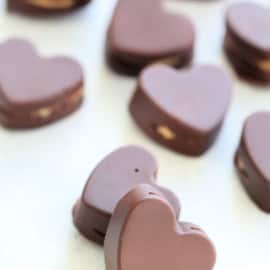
(27, 80)
(256, 138)
(198, 97)
(251, 23)
(142, 28)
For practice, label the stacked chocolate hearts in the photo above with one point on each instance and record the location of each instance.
(138, 219)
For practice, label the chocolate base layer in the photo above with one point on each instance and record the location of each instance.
(90, 222)
(132, 66)
(166, 130)
(44, 115)
(244, 70)
(248, 64)
(32, 8)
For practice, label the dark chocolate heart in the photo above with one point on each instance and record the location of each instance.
(44, 7)
(115, 175)
(142, 32)
(183, 110)
(144, 234)
(254, 32)
(36, 90)
(247, 42)
(253, 158)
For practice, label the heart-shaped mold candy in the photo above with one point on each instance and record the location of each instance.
(142, 32)
(247, 42)
(144, 234)
(252, 159)
(183, 110)
(35, 91)
(44, 7)
(115, 175)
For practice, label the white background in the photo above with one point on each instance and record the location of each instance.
(43, 171)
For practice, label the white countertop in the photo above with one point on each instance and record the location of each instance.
(43, 171)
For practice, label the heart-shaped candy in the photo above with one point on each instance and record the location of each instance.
(252, 159)
(42, 7)
(142, 32)
(34, 90)
(144, 234)
(247, 42)
(115, 175)
(181, 110)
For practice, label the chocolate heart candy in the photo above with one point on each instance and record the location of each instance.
(141, 32)
(247, 42)
(117, 174)
(252, 159)
(144, 234)
(181, 110)
(39, 7)
(35, 91)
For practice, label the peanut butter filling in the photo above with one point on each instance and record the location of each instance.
(165, 132)
(264, 65)
(240, 164)
(242, 167)
(52, 4)
(76, 97)
(170, 61)
(45, 112)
